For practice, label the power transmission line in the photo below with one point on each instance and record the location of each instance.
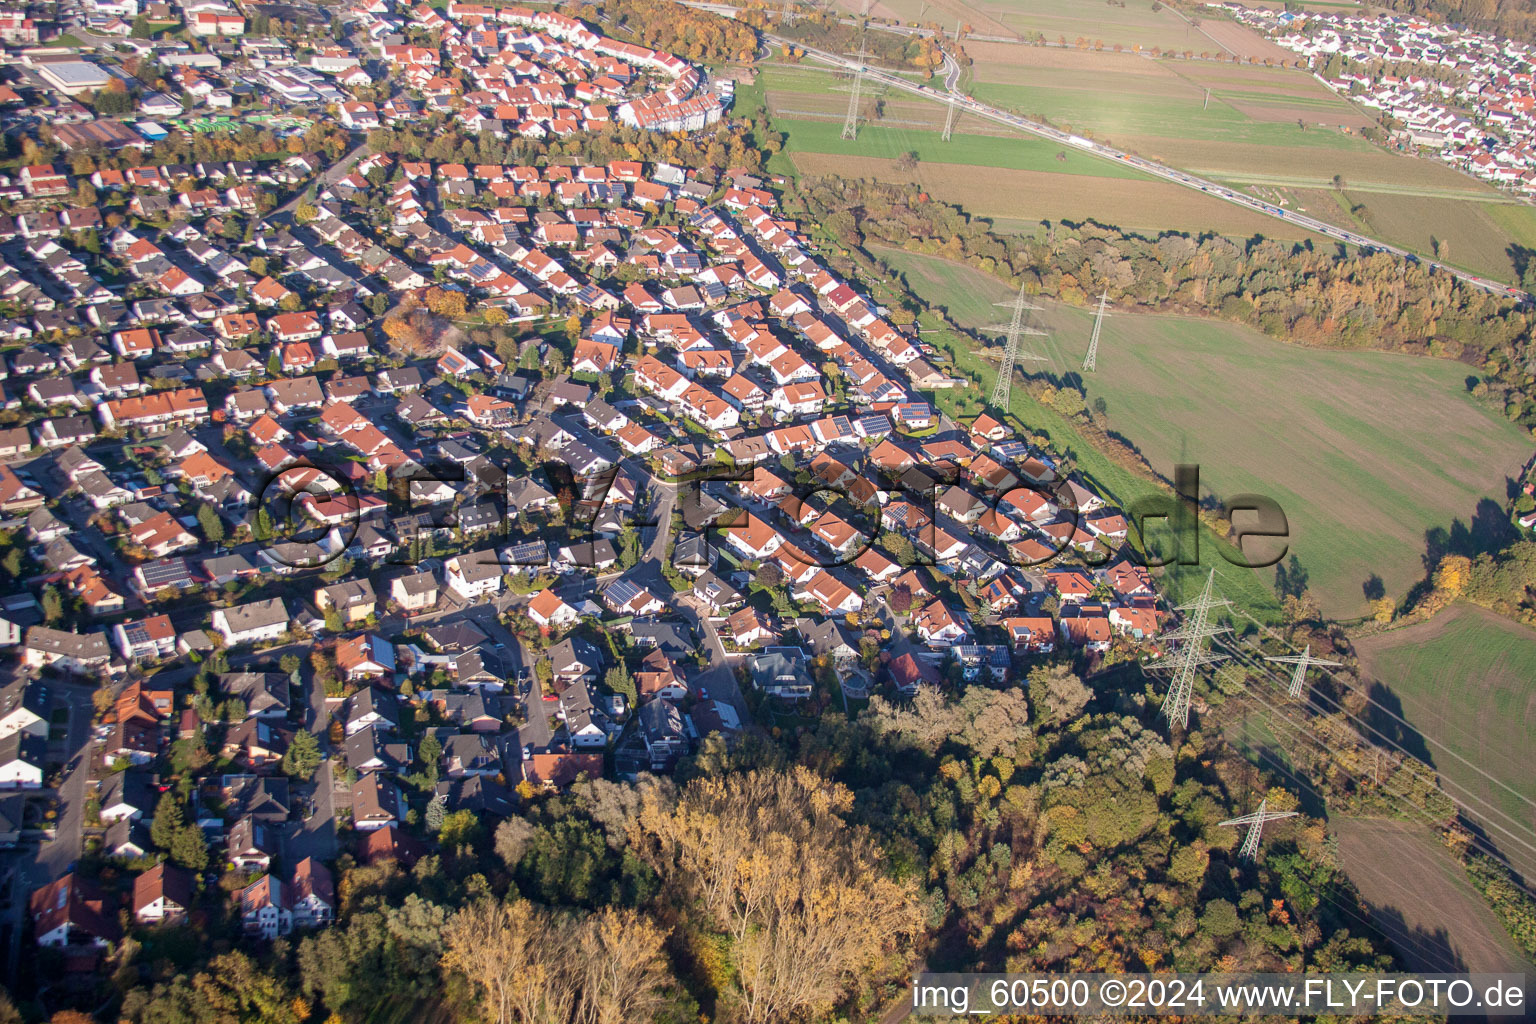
(1300, 731)
(1194, 650)
(1460, 801)
(1460, 798)
(1302, 662)
(1002, 391)
(1255, 823)
(1399, 719)
(1091, 360)
(1355, 912)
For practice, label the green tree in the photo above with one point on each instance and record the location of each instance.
(213, 526)
(429, 752)
(437, 813)
(189, 848)
(629, 546)
(617, 680)
(53, 604)
(141, 29)
(168, 822)
(459, 828)
(303, 756)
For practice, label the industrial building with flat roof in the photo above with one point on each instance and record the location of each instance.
(73, 77)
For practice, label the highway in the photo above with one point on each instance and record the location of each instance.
(1178, 177)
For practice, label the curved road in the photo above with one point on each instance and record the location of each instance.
(1178, 177)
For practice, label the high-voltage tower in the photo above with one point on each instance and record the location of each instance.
(1194, 638)
(1002, 391)
(1302, 661)
(1091, 360)
(1255, 823)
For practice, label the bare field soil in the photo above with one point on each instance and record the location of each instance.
(1422, 899)
(1250, 77)
(1041, 65)
(1029, 197)
(1242, 40)
(1134, 24)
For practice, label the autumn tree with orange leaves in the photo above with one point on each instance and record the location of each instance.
(803, 896)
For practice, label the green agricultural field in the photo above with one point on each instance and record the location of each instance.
(1467, 682)
(984, 169)
(1482, 237)
(969, 296)
(1255, 128)
(1247, 136)
(1024, 154)
(1364, 451)
(1180, 114)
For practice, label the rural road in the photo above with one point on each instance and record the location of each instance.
(1158, 170)
(1190, 181)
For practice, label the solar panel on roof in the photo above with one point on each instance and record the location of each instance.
(623, 591)
(166, 573)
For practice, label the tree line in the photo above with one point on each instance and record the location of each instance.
(1297, 292)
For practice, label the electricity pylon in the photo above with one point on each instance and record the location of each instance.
(1194, 650)
(950, 118)
(1302, 662)
(1091, 360)
(851, 122)
(1002, 391)
(1255, 823)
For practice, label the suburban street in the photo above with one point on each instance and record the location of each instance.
(719, 678)
(35, 864)
(334, 173)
